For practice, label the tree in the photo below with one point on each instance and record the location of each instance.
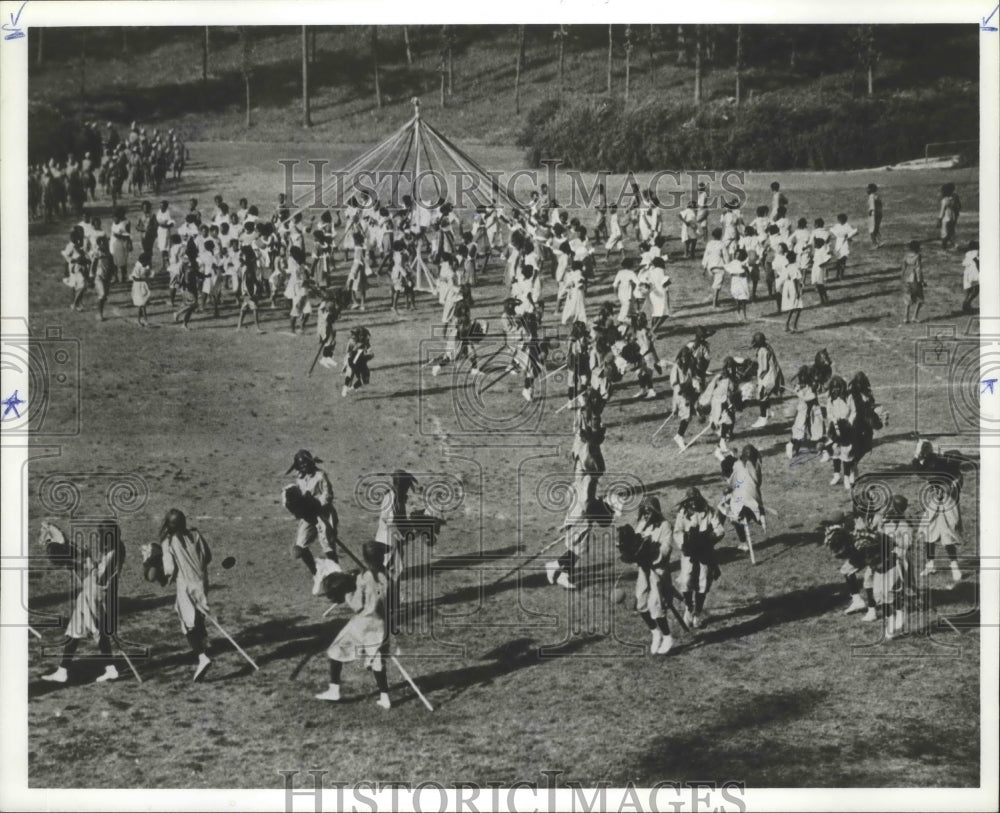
(246, 66)
(124, 40)
(560, 35)
(651, 47)
(697, 64)
(629, 45)
(378, 88)
(518, 67)
(83, 61)
(406, 44)
(739, 60)
(864, 44)
(204, 57)
(38, 53)
(611, 47)
(448, 55)
(306, 118)
(681, 45)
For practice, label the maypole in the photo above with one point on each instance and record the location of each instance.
(424, 279)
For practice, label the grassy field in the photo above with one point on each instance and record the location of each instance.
(779, 689)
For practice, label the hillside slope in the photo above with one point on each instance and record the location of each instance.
(155, 75)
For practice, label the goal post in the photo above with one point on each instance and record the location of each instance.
(940, 149)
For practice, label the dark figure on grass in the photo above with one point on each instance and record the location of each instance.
(95, 608)
(913, 282)
(950, 209)
(359, 353)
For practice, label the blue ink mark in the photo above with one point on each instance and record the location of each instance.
(988, 385)
(984, 25)
(15, 32)
(809, 457)
(10, 405)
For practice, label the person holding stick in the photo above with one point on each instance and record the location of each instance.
(583, 515)
(310, 500)
(95, 611)
(697, 528)
(649, 546)
(743, 501)
(186, 557)
(366, 635)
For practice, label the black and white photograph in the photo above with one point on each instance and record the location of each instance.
(530, 408)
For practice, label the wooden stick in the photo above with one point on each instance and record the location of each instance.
(673, 414)
(498, 379)
(556, 370)
(131, 666)
(413, 685)
(746, 530)
(695, 438)
(551, 544)
(229, 637)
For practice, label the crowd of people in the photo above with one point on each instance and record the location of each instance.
(109, 164)
(235, 260)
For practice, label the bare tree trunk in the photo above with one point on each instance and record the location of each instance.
(651, 46)
(628, 59)
(312, 44)
(444, 80)
(611, 44)
(681, 45)
(518, 67)
(38, 53)
(124, 40)
(451, 68)
(697, 64)
(406, 43)
(739, 60)
(83, 63)
(246, 68)
(204, 57)
(378, 88)
(871, 79)
(562, 60)
(306, 118)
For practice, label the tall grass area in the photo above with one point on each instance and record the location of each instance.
(804, 93)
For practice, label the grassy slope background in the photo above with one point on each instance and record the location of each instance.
(772, 691)
(159, 79)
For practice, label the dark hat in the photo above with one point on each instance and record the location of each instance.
(302, 457)
(373, 553)
(650, 505)
(701, 332)
(692, 497)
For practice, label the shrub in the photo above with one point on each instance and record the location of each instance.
(770, 132)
